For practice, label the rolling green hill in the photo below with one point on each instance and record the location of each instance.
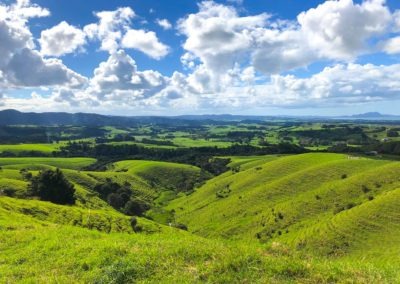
(37, 250)
(64, 163)
(310, 218)
(328, 204)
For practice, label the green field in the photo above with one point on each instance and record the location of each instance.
(64, 163)
(310, 218)
(38, 249)
(326, 204)
(18, 148)
(189, 142)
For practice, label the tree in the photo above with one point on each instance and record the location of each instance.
(392, 133)
(136, 207)
(52, 186)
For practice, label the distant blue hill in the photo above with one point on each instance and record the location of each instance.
(14, 117)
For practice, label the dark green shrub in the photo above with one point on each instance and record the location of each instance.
(52, 186)
(133, 222)
(10, 192)
(136, 207)
(181, 226)
(25, 174)
(392, 133)
(104, 189)
(365, 189)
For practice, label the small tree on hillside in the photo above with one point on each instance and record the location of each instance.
(392, 133)
(136, 207)
(52, 186)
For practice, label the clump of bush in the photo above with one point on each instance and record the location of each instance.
(135, 227)
(181, 226)
(365, 189)
(121, 198)
(10, 192)
(223, 193)
(26, 175)
(52, 186)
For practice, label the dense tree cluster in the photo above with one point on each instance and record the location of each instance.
(121, 198)
(52, 186)
(202, 157)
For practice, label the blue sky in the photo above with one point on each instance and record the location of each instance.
(187, 57)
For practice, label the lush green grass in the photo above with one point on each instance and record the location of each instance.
(311, 218)
(170, 176)
(305, 202)
(189, 142)
(18, 148)
(41, 252)
(64, 163)
(142, 144)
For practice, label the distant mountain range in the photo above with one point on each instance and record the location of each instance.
(14, 117)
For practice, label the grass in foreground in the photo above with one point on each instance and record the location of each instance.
(41, 252)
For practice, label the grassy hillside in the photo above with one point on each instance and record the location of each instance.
(43, 252)
(159, 174)
(18, 148)
(153, 182)
(64, 163)
(327, 204)
(311, 218)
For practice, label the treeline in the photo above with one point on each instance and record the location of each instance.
(388, 148)
(330, 134)
(202, 157)
(83, 149)
(42, 134)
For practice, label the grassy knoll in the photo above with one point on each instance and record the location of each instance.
(64, 163)
(165, 175)
(189, 142)
(44, 252)
(327, 204)
(310, 218)
(18, 148)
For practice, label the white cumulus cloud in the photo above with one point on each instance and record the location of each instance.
(20, 64)
(146, 42)
(110, 27)
(61, 39)
(164, 23)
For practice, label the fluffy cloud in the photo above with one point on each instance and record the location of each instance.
(340, 29)
(114, 31)
(338, 85)
(232, 61)
(392, 46)
(219, 37)
(118, 78)
(146, 42)
(164, 23)
(21, 11)
(65, 95)
(110, 27)
(61, 39)
(20, 64)
(27, 68)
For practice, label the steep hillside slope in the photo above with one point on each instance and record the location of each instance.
(330, 204)
(312, 218)
(36, 251)
(165, 175)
